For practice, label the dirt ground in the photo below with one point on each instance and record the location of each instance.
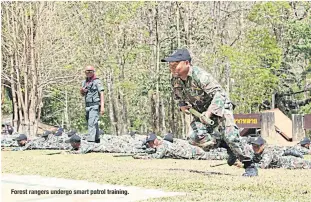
(221, 183)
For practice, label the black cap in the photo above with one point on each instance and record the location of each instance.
(168, 137)
(59, 132)
(21, 137)
(71, 133)
(151, 137)
(179, 55)
(46, 133)
(305, 141)
(258, 141)
(74, 138)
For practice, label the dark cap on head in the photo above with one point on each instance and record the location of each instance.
(21, 137)
(179, 55)
(151, 137)
(74, 139)
(305, 141)
(46, 133)
(258, 141)
(59, 132)
(168, 137)
(71, 133)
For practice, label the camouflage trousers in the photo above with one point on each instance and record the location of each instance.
(291, 162)
(206, 136)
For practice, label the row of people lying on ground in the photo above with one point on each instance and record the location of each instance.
(266, 156)
(57, 140)
(129, 144)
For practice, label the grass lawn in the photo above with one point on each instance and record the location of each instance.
(271, 185)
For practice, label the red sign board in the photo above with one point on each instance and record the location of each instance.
(247, 120)
(307, 121)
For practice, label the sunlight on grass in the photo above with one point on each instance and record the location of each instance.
(166, 174)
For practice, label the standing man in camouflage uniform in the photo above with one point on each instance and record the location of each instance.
(93, 91)
(198, 88)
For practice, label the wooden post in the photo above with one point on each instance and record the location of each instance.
(298, 128)
(273, 101)
(267, 124)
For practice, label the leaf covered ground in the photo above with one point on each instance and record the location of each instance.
(221, 183)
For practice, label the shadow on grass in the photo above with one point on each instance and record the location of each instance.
(200, 172)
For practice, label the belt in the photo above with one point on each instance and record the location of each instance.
(89, 104)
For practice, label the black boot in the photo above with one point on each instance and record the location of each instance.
(250, 169)
(231, 157)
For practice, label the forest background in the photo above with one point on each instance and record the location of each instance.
(254, 49)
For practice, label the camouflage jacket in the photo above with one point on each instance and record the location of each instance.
(301, 149)
(9, 140)
(270, 157)
(202, 91)
(181, 149)
(29, 145)
(85, 147)
(34, 144)
(114, 145)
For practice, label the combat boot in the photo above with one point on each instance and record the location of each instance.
(231, 157)
(250, 169)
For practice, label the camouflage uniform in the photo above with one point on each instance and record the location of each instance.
(33, 144)
(112, 144)
(55, 142)
(9, 140)
(181, 149)
(281, 157)
(291, 162)
(301, 149)
(86, 147)
(204, 93)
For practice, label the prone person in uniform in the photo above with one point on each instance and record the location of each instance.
(277, 157)
(178, 149)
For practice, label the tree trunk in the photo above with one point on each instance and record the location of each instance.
(112, 116)
(163, 127)
(33, 92)
(173, 121)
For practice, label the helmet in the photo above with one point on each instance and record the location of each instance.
(89, 68)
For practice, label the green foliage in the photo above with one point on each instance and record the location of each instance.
(271, 53)
(265, 47)
(305, 109)
(252, 82)
(6, 107)
(268, 13)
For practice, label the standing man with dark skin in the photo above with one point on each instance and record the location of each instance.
(93, 91)
(198, 88)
